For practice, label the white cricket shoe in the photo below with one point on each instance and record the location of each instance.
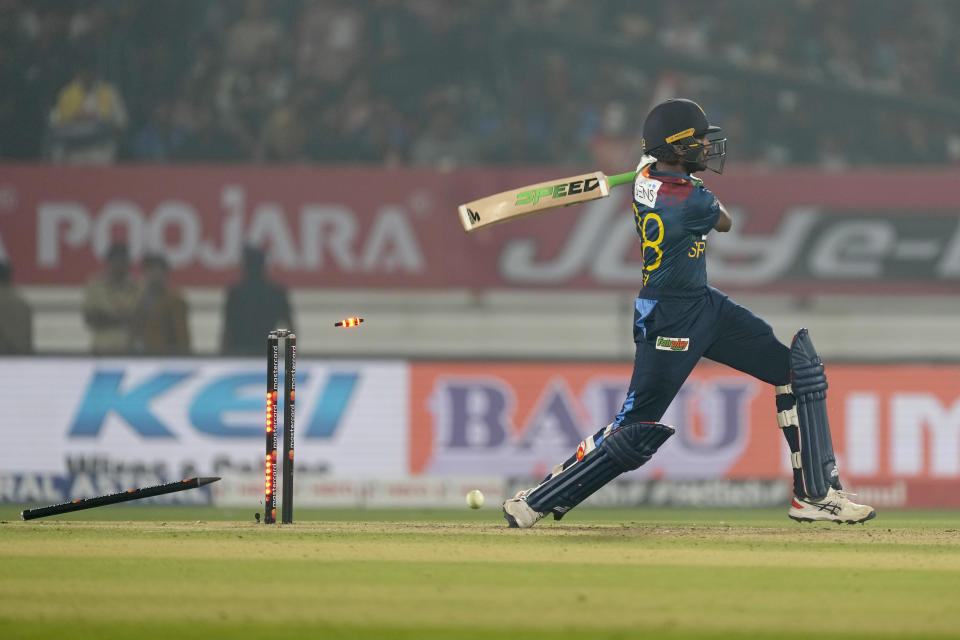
(834, 507)
(518, 513)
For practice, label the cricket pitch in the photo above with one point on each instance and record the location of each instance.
(158, 572)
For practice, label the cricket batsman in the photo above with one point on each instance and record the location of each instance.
(679, 318)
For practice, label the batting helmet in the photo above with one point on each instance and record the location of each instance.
(677, 125)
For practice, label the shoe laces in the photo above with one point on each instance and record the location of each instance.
(844, 495)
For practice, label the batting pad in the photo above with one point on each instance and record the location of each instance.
(816, 447)
(622, 449)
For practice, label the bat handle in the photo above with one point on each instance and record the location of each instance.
(621, 178)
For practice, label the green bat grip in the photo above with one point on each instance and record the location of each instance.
(621, 178)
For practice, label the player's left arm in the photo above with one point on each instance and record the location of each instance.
(724, 222)
(703, 212)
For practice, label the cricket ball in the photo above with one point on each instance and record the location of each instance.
(475, 499)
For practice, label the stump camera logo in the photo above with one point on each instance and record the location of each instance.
(672, 344)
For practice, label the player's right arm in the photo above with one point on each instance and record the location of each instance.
(724, 222)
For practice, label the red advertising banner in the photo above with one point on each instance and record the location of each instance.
(795, 231)
(895, 427)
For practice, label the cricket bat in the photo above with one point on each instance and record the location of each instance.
(535, 198)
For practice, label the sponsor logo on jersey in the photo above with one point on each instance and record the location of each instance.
(672, 344)
(645, 191)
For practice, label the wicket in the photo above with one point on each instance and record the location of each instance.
(289, 393)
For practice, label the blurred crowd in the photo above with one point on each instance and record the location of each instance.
(828, 83)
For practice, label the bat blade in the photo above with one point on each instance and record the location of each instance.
(534, 198)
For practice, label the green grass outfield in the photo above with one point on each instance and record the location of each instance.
(150, 572)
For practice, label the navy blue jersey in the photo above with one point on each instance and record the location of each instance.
(673, 213)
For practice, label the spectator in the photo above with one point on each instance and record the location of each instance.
(330, 38)
(284, 135)
(87, 119)
(160, 139)
(110, 304)
(207, 138)
(241, 107)
(254, 35)
(16, 329)
(615, 146)
(255, 306)
(443, 145)
(161, 323)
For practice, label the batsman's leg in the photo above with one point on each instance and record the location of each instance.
(598, 460)
(802, 414)
(749, 345)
